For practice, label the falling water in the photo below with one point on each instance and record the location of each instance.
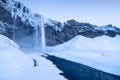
(13, 27)
(43, 41)
(37, 38)
(40, 35)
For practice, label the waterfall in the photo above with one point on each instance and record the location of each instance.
(40, 35)
(35, 42)
(13, 27)
(37, 38)
(43, 41)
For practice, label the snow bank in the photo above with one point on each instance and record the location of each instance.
(80, 43)
(102, 53)
(16, 65)
(6, 43)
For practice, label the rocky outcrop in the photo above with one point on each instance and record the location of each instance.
(6, 29)
(92, 31)
(72, 28)
(16, 22)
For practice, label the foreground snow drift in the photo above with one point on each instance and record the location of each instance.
(102, 53)
(15, 65)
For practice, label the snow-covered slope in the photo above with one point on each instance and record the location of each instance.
(16, 65)
(102, 53)
(103, 44)
(7, 44)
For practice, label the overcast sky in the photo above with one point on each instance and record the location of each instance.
(99, 12)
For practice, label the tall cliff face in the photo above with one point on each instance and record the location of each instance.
(19, 23)
(71, 28)
(92, 31)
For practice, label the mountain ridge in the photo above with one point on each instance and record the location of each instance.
(22, 21)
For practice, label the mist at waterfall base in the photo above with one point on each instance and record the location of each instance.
(28, 42)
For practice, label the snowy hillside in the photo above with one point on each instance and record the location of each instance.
(7, 44)
(16, 65)
(102, 53)
(80, 43)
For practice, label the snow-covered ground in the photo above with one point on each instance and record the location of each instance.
(16, 65)
(102, 53)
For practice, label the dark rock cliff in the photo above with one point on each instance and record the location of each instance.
(18, 23)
